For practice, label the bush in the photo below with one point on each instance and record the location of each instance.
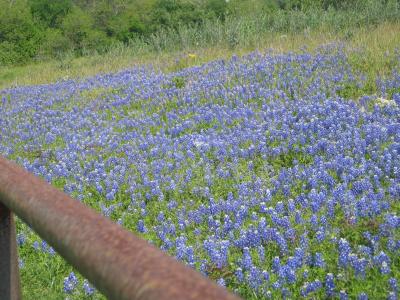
(77, 27)
(96, 41)
(126, 27)
(19, 37)
(174, 13)
(50, 13)
(54, 43)
(49, 28)
(217, 8)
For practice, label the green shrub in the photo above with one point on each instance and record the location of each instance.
(19, 37)
(174, 13)
(50, 13)
(126, 27)
(54, 44)
(77, 26)
(44, 28)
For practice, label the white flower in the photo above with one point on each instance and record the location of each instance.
(385, 102)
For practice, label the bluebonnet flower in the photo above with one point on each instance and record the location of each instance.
(221, 282)
(344, 252)
(70, 283)
(250, 155)
(265, 275)
(51, 251)
(343, 295)
(329, 285)
(393, 284)
(21, 263)
(261, 253)
(319, 260)
(359, 265)
(276, 285)
(21, 239)
(310, 287)
(276, 265)
(392, 296)
(218, 253)
(35, 245)
(255, 278)
(383, 261)
(290, 275)
(141, 227)
(246, 261)
(239, 274)
(362, 296)
(385, 268)
(160, 216)
(87, 287)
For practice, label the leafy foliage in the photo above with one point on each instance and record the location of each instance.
(19, 37)
(32, 29)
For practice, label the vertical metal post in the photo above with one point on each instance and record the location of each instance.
(9, 272)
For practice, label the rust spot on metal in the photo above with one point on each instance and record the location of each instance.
(118, 263)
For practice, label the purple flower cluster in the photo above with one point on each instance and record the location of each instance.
(255, 171)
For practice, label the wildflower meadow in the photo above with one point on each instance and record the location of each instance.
(275, 175)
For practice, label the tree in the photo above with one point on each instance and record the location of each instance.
(50, 13)
(126, 27)
(217, 8)
(173, 13)
(19, 37)
(77, 26)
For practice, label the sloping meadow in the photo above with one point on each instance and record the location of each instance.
(257, 171)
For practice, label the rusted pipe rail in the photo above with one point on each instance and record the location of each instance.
(120, 264)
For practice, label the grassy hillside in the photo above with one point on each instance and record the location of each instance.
(42, 41)
(261, 149)
(371, 50)
(276, 175)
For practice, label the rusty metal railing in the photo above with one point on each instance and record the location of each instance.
(120, 264)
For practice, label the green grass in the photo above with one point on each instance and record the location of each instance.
(370, 48)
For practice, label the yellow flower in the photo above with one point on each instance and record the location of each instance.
(192, 55)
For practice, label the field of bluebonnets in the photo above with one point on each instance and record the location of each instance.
(276, 175)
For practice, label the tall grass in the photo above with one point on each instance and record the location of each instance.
(374, 27)
(246, 31)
